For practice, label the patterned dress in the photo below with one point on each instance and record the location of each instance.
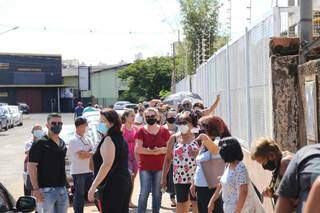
(184, 163)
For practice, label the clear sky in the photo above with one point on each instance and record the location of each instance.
(102, 30)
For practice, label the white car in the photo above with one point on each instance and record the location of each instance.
(16, 114)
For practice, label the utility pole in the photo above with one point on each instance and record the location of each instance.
(173, 77)
(305, 25)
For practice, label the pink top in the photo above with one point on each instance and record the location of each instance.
(129, 136)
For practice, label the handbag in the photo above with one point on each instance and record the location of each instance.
(213, 170)
(252, 203)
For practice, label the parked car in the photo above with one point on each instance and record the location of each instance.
(131, 106)
(66, 134)
(4, 123)
(119, 105)
(7, 113)
(16, 115)
(3, 104)
(8, 204)
(24, 108)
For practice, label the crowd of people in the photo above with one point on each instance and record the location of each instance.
(185, 151)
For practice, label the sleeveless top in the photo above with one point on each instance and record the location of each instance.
(120, 163)
(184, 164)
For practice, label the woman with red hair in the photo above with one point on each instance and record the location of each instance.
(211, 129)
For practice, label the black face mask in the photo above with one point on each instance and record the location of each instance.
(151, 121)
(171, 120)
(56, 128)
(202, 131)
(271, 165)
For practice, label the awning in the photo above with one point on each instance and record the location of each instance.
(36, 86)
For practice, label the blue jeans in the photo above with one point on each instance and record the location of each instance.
(55, 200)
(82, 184)
(149, 182)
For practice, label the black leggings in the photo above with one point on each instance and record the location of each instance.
(116, 196)
(204, 195)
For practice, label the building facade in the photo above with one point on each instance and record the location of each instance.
(33, 79)
(106, 87)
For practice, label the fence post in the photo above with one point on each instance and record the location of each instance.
(276, 22)
(247, 77)
(228, 87)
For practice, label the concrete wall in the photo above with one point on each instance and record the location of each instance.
(285, 101)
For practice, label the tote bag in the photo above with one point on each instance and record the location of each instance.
(252, 203)
(212, 170)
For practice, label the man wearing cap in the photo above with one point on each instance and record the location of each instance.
(79, 153)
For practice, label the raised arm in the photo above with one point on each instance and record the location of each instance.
(212, 108)
(208, 143)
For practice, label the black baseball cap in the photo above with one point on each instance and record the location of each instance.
(80, 121)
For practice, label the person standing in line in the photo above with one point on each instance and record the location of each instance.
(110, 163)
(172, 127)
(79, 152)
(129, 131)
(78, 110)
(182, 149)
(47, 169)
(267, 153)
(139, 120)
(235, 181)
(211, 128)
(151, 141)
(302, 172)
(37, 134)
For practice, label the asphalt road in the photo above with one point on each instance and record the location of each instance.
(12, 156)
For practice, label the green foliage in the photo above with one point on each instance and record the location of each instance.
(200, 26)
(146, 78)
(164, 93)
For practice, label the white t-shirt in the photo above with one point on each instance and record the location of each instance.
(138, 119)
(78, 165)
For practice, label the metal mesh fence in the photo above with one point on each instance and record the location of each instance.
(240, 72)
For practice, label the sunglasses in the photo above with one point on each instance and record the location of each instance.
(150, 116)
(56, 123)
(182, 123)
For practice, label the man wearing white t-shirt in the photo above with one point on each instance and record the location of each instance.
(79, 153)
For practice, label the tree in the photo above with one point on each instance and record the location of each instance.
(200, 26)
(147, 78)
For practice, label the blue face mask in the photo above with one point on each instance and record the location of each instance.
(102, 128)
(38, 134)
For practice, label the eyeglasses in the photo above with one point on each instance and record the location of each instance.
(56, 123)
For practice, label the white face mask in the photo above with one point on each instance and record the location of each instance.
(183, 129)
(86, 130)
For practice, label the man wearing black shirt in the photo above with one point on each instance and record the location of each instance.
(47, 169)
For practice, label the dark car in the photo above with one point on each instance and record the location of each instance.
(4, 122)
(24, 108)
(8, 204)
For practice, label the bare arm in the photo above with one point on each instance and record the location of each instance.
(208, 143)
(139, 149)
(284, 205)
(33, 173)
(212, 108)
(107, 151)
(312, 204)
(168, 158)
(214, 197)
(243, 192)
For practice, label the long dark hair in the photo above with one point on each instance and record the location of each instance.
(113, 117)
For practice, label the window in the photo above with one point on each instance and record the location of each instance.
(28, 69)
(3, 94)
(4, 66)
